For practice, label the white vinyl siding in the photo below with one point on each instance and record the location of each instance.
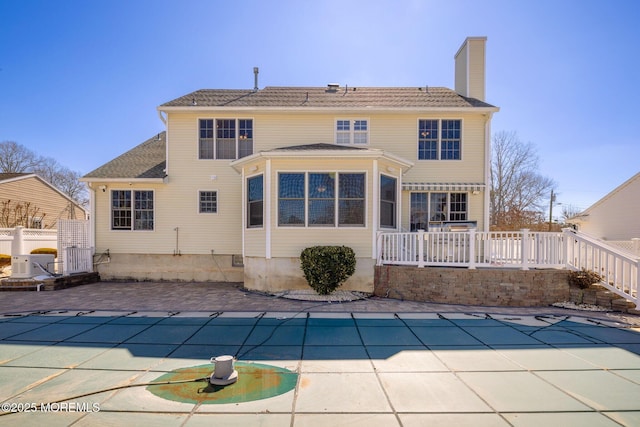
(396, 133)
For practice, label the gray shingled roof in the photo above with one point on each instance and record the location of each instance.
(6, 176)
(147, 160)
(318, 147)
(322, 97)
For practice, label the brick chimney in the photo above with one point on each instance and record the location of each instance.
(470, 68)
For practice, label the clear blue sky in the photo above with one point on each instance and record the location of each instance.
(80, 80)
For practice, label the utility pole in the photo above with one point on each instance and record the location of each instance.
(552, 199)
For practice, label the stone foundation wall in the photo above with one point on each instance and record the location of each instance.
(280, 274)
(179, 268)
(487, 287)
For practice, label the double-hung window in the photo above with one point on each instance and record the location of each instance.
(225, 138)
(208, 202)
(321, 199)
(352, 131)
(439, 139)
(132, 210)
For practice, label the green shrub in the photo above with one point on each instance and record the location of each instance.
(5, 260)
(46, 251)
(583, 278)
(327, 267)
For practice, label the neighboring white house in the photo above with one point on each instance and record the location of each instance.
(241, 181)
(614, 217)
(29, 201)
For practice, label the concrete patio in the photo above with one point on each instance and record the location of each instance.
(374, 362)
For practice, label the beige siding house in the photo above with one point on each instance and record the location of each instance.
(29, 201)
(241, 181)
(614, 217)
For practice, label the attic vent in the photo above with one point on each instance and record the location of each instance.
(333, 87)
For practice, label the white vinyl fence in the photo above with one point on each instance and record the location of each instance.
(71, 240)
(515, 249)
(32, 238)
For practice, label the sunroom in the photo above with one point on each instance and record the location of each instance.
(319, 194)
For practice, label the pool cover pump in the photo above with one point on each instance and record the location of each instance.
(224, 372)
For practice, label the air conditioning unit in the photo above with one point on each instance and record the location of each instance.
(27, 266)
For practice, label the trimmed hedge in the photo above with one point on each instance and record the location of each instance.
(5, 260)
(46, 251)
(327, 267)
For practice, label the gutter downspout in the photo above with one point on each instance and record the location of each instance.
(164, 120)
(162, 117)
(92, 218)
(487, 172)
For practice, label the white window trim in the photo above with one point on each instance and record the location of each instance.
(337, 199)
(448, 203)
(246, 202)
(352, 131)
(215, 138)
(439, 148)
(396, 203)
(217, 201)
(132, 229)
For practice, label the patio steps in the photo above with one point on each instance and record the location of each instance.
(600, 296)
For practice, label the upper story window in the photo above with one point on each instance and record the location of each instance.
(439, 139)
(229, 139)
(132, 210)
(352, 131)
(321, 199)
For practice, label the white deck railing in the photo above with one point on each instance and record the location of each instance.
(514, 249)
(619, 270)
(519, 249)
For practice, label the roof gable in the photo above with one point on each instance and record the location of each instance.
(13, 177)
(609, 195)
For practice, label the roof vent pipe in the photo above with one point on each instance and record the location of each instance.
(333, 87)
(255, 78)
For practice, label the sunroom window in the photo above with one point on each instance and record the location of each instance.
(387, 201)
(255, 201)
(321, 199)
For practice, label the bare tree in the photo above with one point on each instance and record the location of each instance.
(64, 179)
(569, 211)
(13, 214)
(16, 158)
(517, 189)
